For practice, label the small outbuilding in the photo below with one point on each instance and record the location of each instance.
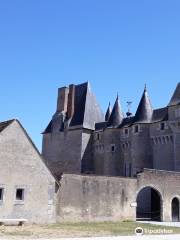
(27, 188)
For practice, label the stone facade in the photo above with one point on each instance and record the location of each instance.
(102, 198)
(67, 145)
(27, 186)
(79, 140)
(94, 168)
(115, 146)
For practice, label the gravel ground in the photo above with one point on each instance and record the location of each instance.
(152, 237)
(168, 224)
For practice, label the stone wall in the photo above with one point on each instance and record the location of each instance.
(100, 198)
(62, 151)
(96, 198)
(162, 142)
(22, 167)
(167, 184)
(107, 155)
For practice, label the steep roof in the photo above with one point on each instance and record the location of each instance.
(127, 122)
(116, 115)
(100, 125)
(144, 111)
(86, 109)
(108, 113)
(160, 114)
(5, 124)
(176, 96)
(79, 104)
(92, 112)
(48, 128)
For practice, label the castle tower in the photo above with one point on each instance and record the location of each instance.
(174, 126)
(67, 138)
(141, 151)
(116, 116)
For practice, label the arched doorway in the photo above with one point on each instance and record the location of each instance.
(175, 209)
(148, 205)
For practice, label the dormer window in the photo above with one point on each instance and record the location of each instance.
(162, 126)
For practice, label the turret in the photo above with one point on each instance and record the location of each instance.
(108, 113)
(116, 116)
(145, 110)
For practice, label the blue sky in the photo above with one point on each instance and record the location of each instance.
(118, 45)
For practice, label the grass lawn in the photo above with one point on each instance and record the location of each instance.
(79, 229)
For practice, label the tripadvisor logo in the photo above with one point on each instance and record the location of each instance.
(139, 231)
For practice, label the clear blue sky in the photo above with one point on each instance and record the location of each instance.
(118, 45)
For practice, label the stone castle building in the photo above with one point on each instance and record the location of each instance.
(93, 167)
(79, 139)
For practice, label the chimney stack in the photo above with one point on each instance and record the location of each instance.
(70, 106)
(62, 100)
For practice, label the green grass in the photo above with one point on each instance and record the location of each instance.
(109, 228)
(82, 229)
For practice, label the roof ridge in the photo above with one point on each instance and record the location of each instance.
(5, 124)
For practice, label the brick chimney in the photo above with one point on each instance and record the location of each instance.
(70, 106)
(62, 100)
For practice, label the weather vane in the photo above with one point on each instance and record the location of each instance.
(129, 108)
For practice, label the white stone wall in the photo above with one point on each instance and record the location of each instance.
(22, 167)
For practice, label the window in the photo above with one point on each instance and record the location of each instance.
(136, 129)
(112, 148)
(1, 194)
(19, 194)
(162, 127)
(98, 136)
(126, 131)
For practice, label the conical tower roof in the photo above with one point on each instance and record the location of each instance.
(176, 96)
(108, 113)
(116, 115)
(145, 110)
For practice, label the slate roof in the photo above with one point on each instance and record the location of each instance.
(86, 109)
(108, 113)
(116, 115)
(79, 104)
(48, 128)
(5, 124)
(88, 114)
(100, 125)
(176, 96)
(160, 114)
(127, 122)
(144, 111)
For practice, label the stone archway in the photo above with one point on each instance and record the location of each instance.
(149, 205)
(175, 209)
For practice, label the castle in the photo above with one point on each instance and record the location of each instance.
(93, 168)
(79, 139)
